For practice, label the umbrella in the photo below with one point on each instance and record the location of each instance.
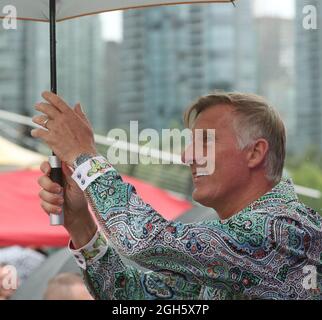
(59, 10)
(62, 261)
(24, 223)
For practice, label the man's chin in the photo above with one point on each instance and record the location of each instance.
(201, 198)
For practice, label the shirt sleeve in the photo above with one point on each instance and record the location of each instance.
(198, 250)
(107, 278)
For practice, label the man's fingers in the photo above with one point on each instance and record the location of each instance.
(79, 111)
(47, 184)
(56, 101)
(45, 167)
(40, 133)
(66, 170)
(51, 198)
(41, 120)
(49, 208)
(51, 194)
(48, 109)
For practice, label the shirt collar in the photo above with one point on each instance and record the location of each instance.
(282, 193)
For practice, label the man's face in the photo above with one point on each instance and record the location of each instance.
(231, 170)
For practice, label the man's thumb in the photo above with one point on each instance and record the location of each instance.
(67, 172)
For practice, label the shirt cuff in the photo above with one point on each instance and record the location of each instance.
(91, 252)
(90, 170)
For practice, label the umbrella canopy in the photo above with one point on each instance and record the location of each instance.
(24, 223)
(38, 10)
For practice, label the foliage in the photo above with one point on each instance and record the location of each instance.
(306, 170)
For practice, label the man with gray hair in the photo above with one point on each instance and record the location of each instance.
(259, 248)
(67, 286)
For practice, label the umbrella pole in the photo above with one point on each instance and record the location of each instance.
(52, 31)
(54, 161)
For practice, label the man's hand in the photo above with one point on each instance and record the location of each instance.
(78, 220)
(69, 132)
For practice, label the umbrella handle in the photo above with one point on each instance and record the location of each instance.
(56, 176)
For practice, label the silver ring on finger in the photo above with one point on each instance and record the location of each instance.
(45, 123)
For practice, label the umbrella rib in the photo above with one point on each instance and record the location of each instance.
(44, 9)
(146, 6)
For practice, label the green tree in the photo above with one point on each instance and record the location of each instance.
(307, 172)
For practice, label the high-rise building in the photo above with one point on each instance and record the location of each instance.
(37, 64)
(112, 72)
(13, 79)
(173, 54)
(12, 69)
(80, 57)
(133, 69)
(276, 76)
(81, 67)
(309, 78)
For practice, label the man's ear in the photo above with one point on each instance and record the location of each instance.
(257, 153)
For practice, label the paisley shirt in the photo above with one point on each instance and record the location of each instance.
(272, 249)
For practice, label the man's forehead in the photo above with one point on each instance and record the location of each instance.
(216, 117)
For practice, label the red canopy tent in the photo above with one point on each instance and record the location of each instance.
(23, 222)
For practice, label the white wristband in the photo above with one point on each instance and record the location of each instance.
(90, 170)
(91, 252)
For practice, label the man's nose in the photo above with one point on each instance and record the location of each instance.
(187, 156)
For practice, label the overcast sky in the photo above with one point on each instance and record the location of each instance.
(112, 21)
(284, 8)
